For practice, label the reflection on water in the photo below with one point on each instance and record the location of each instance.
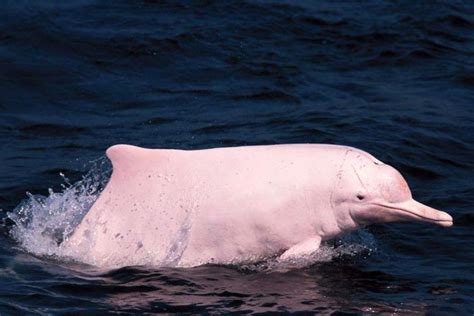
(324, 287)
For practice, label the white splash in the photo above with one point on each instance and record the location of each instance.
(358, 243)
(43, 222)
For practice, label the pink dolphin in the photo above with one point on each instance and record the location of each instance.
(166, 207)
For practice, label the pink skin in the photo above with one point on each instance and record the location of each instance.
(232, 205)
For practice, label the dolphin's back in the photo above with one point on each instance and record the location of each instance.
(161, 202)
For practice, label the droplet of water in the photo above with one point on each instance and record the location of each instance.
(42, 223)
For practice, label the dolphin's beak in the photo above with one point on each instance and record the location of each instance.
(413, 210)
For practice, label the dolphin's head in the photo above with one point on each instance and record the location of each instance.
(373, 192)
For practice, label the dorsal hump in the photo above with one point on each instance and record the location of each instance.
(126, 157)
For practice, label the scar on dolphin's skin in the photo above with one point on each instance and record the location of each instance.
(339, 176)
(358, 177)
(139, 246)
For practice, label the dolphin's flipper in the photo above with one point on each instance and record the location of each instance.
(302, 249)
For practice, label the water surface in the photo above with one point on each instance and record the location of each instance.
(394, 78)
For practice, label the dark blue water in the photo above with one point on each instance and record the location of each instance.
(395, 78)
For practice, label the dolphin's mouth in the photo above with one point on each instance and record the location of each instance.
(418, 211)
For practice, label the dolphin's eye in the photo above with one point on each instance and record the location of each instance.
(360, 197)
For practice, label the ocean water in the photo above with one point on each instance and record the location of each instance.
(394, 78)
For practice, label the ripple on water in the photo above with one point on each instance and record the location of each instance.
(392, 78)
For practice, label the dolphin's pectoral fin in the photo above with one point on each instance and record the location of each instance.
(305, 248)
